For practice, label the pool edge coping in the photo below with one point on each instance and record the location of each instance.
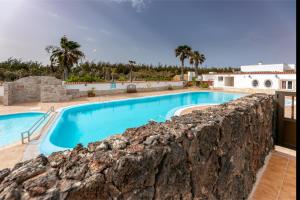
(45, 137)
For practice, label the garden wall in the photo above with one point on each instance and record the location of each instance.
(35, 88)
(121, 87)
(210, 154)
(1, 92)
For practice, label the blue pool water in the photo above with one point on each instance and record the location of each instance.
(12, 125)
(91, 122)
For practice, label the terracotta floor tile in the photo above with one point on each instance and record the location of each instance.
(288, 191)
(278, 180)
(287, 195)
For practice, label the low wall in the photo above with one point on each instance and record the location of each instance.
(210, 154)
(22, 90)
(35, 88)
(121, 87)
(1, 92)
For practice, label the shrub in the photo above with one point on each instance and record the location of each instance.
(85, 78)
(188, 84)
(204, 85)
(122, 78)
(194, 81)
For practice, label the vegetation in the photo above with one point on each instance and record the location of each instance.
(131, 65)
(13, 69)
(64, 56)
(183, 52)
(204, 85)
(64, 62)
(196, 58)
(84, 78)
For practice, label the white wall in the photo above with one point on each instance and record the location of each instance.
(208, 77)
(245, 80)
(260, 68)
(107, 86)
(191, 75)
(1, 90)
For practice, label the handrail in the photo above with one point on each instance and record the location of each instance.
(33, 128)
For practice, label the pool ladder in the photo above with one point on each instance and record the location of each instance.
(30, 131)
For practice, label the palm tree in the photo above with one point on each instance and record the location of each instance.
(66, 55)
(131, 64)
(196, 58)
(113, 72)
(183, 52)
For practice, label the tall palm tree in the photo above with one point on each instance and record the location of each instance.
(131, 64)
(196, 58)
(113, 72)
(66, 55)
(183, 52)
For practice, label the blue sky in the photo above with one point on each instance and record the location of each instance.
(227, 32)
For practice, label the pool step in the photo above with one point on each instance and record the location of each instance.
(26, 135)
(32, 148)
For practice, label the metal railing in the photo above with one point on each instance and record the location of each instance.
(35, 126)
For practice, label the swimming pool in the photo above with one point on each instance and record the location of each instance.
(92, 122)
(12, 125)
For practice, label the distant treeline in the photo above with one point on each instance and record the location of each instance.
(13, 69)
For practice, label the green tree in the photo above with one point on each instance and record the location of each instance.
(183, 52)
(196, 58)
(66, 55)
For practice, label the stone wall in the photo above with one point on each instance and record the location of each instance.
(52, 90)
(22, 90)
(210, 154)
(35, 88)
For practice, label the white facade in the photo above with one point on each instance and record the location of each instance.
(191, 75)
(271, 76)
(253, 81)
(267, 67)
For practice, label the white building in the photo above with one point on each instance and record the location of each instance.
(260, 76)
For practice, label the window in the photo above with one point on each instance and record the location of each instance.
(255, 83)
(283, 85)
(268, 83)
(220, 78)
(289, 85)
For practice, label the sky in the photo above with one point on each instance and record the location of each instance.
(227, 32)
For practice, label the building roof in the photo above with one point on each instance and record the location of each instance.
(237, 73)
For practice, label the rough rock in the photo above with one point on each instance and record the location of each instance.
(209, 154)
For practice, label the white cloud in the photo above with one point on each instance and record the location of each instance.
(89, 39)
(94, 50)
(139, 5)
(82, 27)
(52, 14)
(106, 32)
